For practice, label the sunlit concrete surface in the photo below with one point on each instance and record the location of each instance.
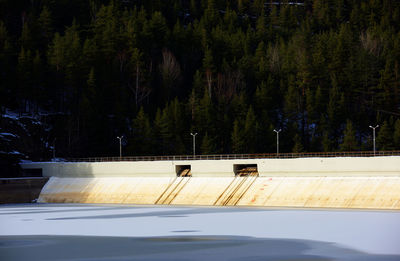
(335, 166)
(313, 192)
(119, 232)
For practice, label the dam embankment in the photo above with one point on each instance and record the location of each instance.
(345, 182)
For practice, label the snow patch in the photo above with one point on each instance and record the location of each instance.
(6, 134)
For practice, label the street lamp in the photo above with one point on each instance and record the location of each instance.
(277, 141)
(373, 135)
(194, 143)
(120, 146)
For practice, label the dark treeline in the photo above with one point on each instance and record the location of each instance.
(232, 71)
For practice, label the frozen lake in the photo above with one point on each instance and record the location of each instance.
(114, 232)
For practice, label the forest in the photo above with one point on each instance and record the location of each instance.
(322, 71)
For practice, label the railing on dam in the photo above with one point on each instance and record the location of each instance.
(240, 156)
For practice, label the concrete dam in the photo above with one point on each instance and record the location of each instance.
(337, 182)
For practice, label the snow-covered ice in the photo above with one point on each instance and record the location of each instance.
(197, 233)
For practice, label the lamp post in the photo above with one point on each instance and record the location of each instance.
(120, 146)
(373, 135)
(277, 141)
(194, 143)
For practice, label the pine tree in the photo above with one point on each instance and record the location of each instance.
(207, 145)
(177, 126)
(327, 143)
(261, 30)
(292, 100)
(26, 37)
(142, 134)
(193, 8)
(206, 115)
(208, 65)
(56, 52)
(89, 114)
(162, 132)
(210, 15)
(349, 138)
(250, 131)
(156, 31)
(24, 72)
(46, 25)
(298, 145)
(335, 112)
(384, 138)
(238, 138)
(388, 87)
(37, 78)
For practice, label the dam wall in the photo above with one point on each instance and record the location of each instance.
(371, 183)
(347, 166)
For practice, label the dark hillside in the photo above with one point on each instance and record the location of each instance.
(232, 71)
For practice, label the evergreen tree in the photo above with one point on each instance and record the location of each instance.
(141, 134)
(261, 30)
(327, 143)
(238, 138)
(292, 101)
(207, 145)
(384, 138)
(298, 146)
(163, 134)
(210, 15)
(46, 25)
(208, 65)
(24, 72)
(349, 138)
(304, 66)
(250, 131)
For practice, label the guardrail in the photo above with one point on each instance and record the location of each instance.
(240, 156)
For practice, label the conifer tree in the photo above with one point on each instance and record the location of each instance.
(238, 138)
(208, 65)
(141, 134)
(46, 25)
(210, 15)
(349, 138)
(292, 100)
(261, 30)
(298, 146)
(384, 138)
(24, 72)
(162, 131)
(250, 131)
(207, 145)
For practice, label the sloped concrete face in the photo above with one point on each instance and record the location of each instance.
(312, 183)
(308, 192)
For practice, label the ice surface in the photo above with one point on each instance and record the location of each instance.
(325, 232)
